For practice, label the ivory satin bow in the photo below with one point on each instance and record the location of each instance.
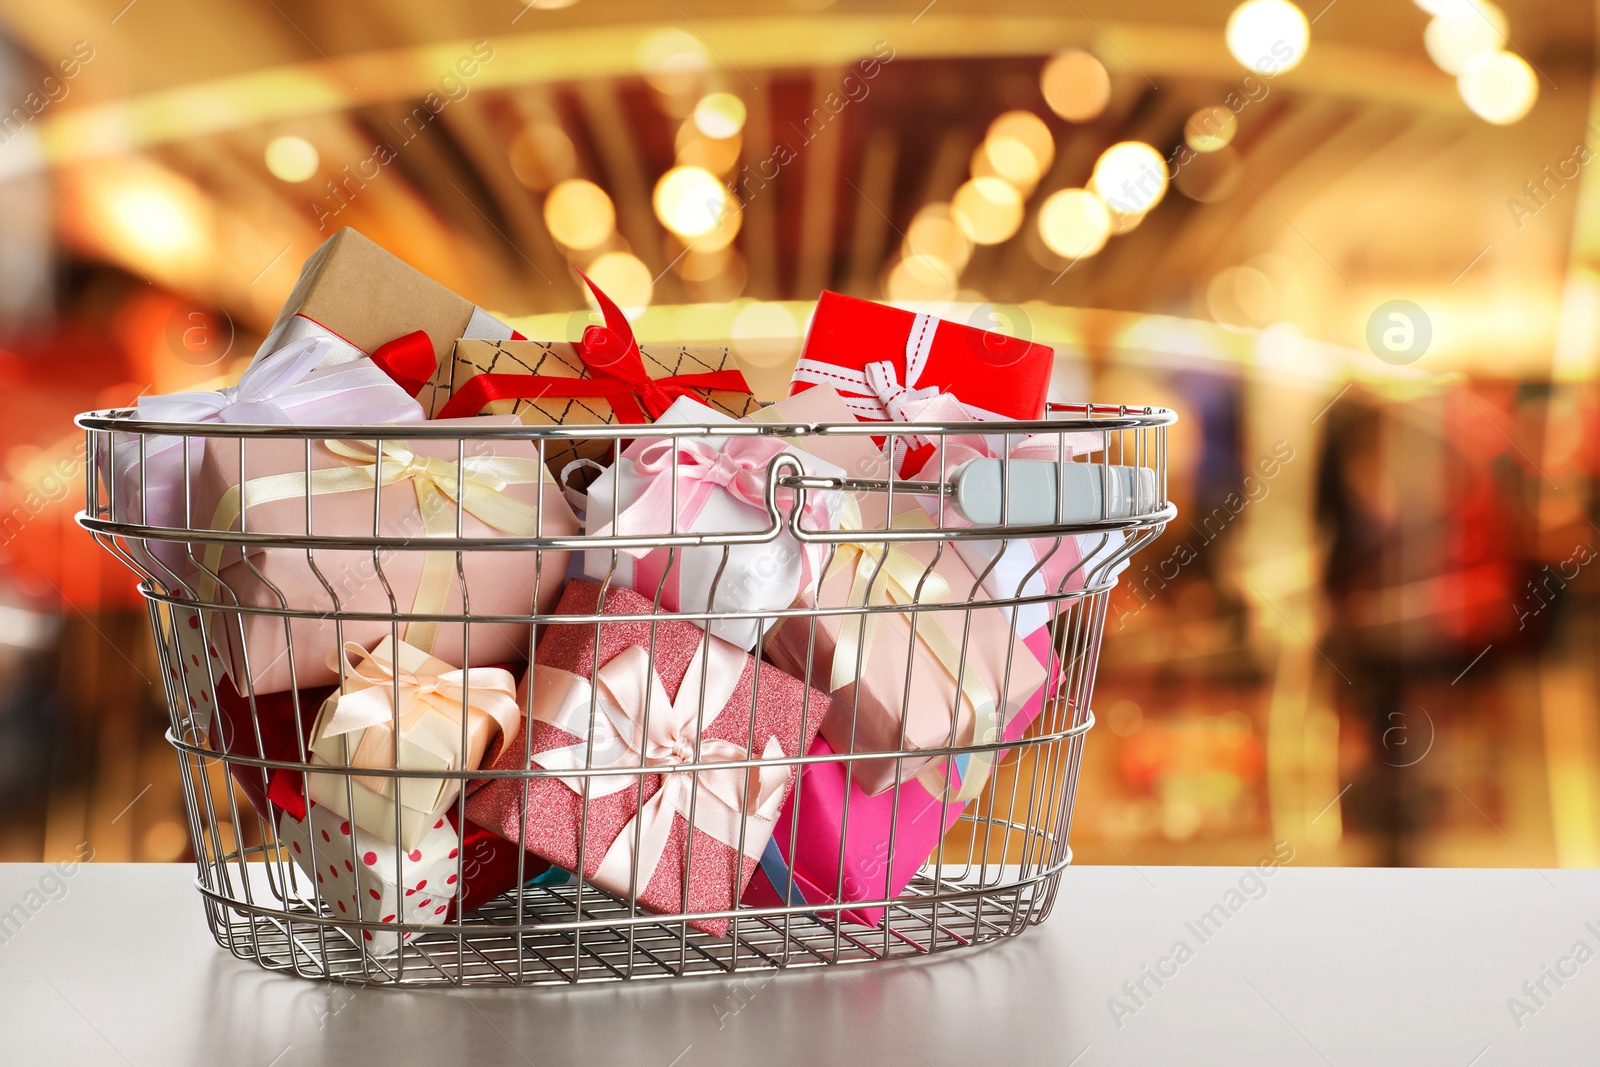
(368, 704)
(476, 486)
(635, 724)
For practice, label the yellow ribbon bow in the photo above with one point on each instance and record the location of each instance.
(475, 485)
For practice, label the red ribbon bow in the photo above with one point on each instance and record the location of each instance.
(618, 376)
(409, 360)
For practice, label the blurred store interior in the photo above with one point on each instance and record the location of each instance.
(1355, 244)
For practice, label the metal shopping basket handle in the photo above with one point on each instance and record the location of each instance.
(1083, 492)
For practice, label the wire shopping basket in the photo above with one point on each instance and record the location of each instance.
(554, 774)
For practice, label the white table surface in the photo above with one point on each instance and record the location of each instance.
(1328, 966)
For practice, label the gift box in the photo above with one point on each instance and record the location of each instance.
(197, 667)
(364, 726)
(886, 362)
(589, 689)
(908, 680)
(549, 383)
(1012, 566)
(834, 842)
(720, 489)
(507, 493)
(150, 474)
(605, 379)
(274, 726)
(365, 301)
(364, 879)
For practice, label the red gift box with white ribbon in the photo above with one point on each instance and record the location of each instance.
(887, 363)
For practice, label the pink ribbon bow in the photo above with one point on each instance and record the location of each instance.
(635, 724)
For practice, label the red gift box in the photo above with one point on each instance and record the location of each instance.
(752, 710)
(886, 363)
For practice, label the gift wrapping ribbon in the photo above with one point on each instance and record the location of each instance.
(475, 485)
(738, 467)
(619, 376)
(638, 725)
(880, 395)
(885, 573)
(367, 703)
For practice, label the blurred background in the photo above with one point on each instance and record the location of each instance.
(1356, 244)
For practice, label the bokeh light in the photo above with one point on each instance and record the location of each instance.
(690, 201)
(579, 214)
(1210, 129)
(719, 115)
(1074, 223)
(1268, 36)
(1499, 87)
(292, 159)
(624, 278)
(541, 155)
(1130, 176)
(1076, 86)
(988, 210)
(934, 232)
(1463, 34)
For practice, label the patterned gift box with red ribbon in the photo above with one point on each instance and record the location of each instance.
(887, 362)
(366, 301)
(552, 383)
(605, 379)
(630, 696)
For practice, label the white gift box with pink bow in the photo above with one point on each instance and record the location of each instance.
(707, 485)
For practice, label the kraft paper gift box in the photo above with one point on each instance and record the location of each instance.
(151, 474)
(413, 506)
(886, 361)
(838, 843)
(554, 383)
(635, 497)
(365, 301)
(581, 687)
(1013, 566)
(361, 878)
(361, 727)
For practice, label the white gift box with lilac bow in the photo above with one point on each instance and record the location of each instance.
(707, 485)
(150, 474)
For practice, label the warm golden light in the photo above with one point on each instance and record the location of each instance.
(1130, 176)
(1499, 87)
(988, 210)
(579, 214)
(1268, 36)
(694, 148)
(1210, 128)
(541, 155)
(766, 334)
(934, 232)
(1463, 34)
(1024, 129)
(156, 218)
(1074, 223)
(673, 61)
(916, 282)
(690, 201)
(292, 159)
(1076, 86)
(719, 115)
(722, 234)
(624, 278)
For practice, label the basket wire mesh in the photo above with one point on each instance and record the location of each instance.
(995, 872)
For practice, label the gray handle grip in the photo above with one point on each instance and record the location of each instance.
(1086, 492)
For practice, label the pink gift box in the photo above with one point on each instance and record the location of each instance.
(766, 714)
(982, 637)
(499, 583)
(910, 820)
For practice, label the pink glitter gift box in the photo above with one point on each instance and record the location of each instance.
(579, 690)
